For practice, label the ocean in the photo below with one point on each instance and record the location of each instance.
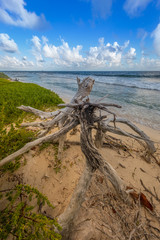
(137, 92)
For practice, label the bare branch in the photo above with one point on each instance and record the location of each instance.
(39, 113)
(98, 105)
(81, 110)
(28, 146)
(142, 135)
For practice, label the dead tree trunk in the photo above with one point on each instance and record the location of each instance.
(82, 111)
(93, 157)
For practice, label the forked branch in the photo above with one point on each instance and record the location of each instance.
(81, 111)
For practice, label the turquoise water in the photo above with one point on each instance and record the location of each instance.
(137, 92)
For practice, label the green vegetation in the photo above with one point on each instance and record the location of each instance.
(2, 75)
(18, 213)
(10, 142)
(13, 140)
(57, 164)
(44, 146)
(14, 94)
(18, 218)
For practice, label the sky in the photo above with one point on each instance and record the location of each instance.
(72, 35)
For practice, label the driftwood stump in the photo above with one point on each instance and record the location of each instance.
(80, 111)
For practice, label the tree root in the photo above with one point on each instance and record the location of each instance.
(83, 113)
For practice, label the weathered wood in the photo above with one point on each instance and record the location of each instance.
(149, 143)
(142, 136)
(94, 161)
(75, 105)
(28, 146)
(80, 110)
(39, 113)
(67, 217)
(84, 89)
(93, 157)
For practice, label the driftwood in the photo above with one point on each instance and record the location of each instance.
(81, 111)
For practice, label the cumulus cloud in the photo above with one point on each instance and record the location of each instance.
(7, 44)
(135, 7)
(130, 55)
(103, 56)
(106, 54)
(13, 12)
(63, 54)
(156, 41)
(36, 49)
(100, 56)
(8, 62)
(101, 8)
(36, 43)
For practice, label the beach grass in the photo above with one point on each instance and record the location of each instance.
(12, 95)
(2, 75)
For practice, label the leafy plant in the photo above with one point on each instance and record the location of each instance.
(19, 219)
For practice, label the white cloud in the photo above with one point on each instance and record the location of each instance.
(106, 54)
(130, 55)
(7, 44)
(44, 39)
(156, 41)
(24, 58)
(135, 7)
(13, 12)
(101, 8)
(12, 63)
(101, 56)
(36, 49)
(63, 54)
(149, 64)
(36, 43)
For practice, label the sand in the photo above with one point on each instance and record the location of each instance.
(58, 187)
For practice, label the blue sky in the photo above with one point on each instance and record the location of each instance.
(79, 35)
